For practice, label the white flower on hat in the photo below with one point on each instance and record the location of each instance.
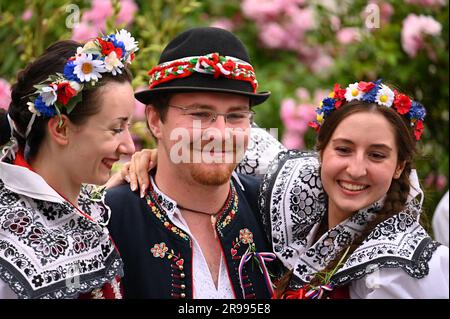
(130, 44)
(385, 96)
(49, 94)
(113, 64)
(87, 69)
(353, 92)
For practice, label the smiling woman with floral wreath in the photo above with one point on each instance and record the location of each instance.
(69, 119)
(346, 222)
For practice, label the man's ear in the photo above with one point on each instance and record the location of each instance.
(153, 120)
(58, 129)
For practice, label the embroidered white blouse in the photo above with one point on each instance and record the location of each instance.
(53, 250)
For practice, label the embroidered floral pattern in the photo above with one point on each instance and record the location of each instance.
(228, 212)
(41, 241)
(159, 250)
(49, 243)
(16, 221)
(245, 236)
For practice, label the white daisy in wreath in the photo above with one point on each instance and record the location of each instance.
(87, 69)
(352, 92)
(130, 44)
(385, 96)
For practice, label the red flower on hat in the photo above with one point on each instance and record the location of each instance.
(418, 129)
(365, 86)
(402, 103)
(229, 65)
(65, 92)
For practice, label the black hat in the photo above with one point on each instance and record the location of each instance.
(199, 42)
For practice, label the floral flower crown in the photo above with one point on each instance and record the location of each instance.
(372, 92)
(106, 54)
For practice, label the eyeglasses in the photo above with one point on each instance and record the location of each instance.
(207, 117)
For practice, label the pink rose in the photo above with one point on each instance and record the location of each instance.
(427, 3)
(27, 15)
(321, 63)
(83, 32)
(100, 11)
(5, 94)
(441, 182)
(223, 23)
(261, 10)
(292, 140)
(414, 30)
(139, 108)
(273, 35)
(127, 11)
(348, 35)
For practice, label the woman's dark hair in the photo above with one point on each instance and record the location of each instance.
(5, 131)
(52, 61)
(398, 191)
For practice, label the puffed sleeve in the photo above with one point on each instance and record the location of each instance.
(441, 221)
(395, 283)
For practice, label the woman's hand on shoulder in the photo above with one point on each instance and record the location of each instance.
(135, 172)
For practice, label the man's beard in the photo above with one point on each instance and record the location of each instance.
(212, 174)
(211, 163)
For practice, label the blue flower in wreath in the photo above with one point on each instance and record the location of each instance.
(69, 72)
(370, 96)
(47, 111)
(417, 111)
(328, 106)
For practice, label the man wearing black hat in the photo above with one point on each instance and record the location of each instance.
(197, 233)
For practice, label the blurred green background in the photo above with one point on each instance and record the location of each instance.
(299, 49)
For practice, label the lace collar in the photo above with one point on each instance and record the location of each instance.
(293, 205)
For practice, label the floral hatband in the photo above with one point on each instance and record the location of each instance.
(213, 63)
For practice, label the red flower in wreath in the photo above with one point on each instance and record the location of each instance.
(65, 92)
(365, 86)
(339, 95)
(418, 129)
(402, 103)
(108, 47)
